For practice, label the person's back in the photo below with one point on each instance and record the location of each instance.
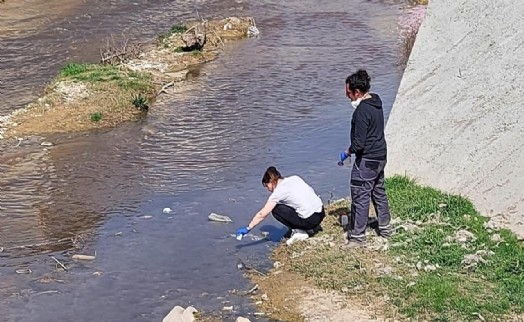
(293, 191)
(370, 113)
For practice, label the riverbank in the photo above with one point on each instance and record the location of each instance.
(125, 84)
(445, 262)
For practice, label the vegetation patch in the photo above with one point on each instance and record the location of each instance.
(444, 263)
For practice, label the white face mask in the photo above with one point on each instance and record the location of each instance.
(356, 103)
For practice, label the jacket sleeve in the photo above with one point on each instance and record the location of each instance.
(361, 123)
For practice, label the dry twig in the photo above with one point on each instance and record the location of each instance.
(59, 263)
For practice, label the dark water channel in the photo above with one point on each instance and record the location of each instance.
(276, 100)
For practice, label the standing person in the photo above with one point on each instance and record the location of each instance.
(369, 146)
(293, 203)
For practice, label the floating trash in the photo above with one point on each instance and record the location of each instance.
(218, 218)
(167, 210)
(83, 257)
(23, 271)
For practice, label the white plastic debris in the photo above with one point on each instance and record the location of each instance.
(219, 218)
(167, 210)
(253, 31)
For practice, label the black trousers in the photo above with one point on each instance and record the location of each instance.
(289, 217)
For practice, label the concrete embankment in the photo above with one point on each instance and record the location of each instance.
(458, 120)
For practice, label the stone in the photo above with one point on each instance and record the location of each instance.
(277, 265)
(167, 210)
(265, 297)
(175, 315)
(189, 314)
(218, 218)
(463, 236)
(46, 144)
(496, 238)
(227, 308)
(241, 319)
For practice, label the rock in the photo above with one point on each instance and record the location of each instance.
(265, 297)
(463, 236)
(277, 265)
(430, 268)
(179, 314)
(167, 210)
(496, 238)
(46, 144)
(227, 308)
(83, 257)
(241, 319)
(419, 266)
(189, 314)
(218, 218)
(175, 315)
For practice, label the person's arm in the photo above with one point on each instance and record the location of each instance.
(261, 214)
(361, 131)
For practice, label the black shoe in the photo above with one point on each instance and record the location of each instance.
(288, 233)
(314, 231)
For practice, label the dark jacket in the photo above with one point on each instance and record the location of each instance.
(367, 130)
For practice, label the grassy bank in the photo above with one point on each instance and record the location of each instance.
(442, 264)
(128, 79)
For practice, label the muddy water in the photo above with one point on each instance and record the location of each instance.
(276, 100)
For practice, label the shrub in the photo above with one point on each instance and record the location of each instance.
(140, 102)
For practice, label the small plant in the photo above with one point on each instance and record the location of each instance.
(96, 116)
(72, 69)
(179, 50)
(178, 29)
(140, 102)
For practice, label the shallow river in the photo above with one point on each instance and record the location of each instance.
(276, 100)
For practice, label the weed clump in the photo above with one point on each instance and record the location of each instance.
(95, 117)
(140, 102)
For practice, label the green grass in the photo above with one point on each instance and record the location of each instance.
(140, 102)
(95, 117)
(163, 39)
(95, 73)
(452, 292)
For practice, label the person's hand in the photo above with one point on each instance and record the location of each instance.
(343, 156)
(243, 231)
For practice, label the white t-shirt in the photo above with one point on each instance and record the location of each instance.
(296, 193)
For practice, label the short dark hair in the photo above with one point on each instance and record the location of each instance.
(271, 175)
(359, 80)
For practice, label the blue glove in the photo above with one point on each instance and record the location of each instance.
(343, 156)
(242, 231)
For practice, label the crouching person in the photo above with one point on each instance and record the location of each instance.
(293, 203)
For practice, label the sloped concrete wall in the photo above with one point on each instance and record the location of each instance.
(458, 120)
